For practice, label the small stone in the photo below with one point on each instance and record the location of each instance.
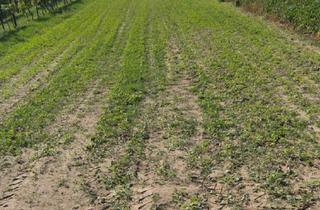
(76, 207)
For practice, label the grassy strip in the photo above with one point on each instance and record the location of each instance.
(108, 68)
(29, 29)
(25, 125)
(72, 44)
(237, 71)
(25, 53)
(156, 38)
(142, 73)
(124, 99)
(128, 90)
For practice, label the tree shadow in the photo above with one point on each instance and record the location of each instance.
(13, 33)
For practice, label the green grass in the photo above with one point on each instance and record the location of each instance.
(240, 64)
(129, 90)
(24, 126)
(28, 28)
(258, 92)
(40, 48)
(142, 73)
(66, 48)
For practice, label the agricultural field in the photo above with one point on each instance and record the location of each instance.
(157, 104)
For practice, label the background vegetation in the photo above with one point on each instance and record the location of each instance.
(10, 10)
(304, 14)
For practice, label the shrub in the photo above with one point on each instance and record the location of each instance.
(303, 14)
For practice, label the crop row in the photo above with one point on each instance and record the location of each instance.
(24, 126)
(241, 66)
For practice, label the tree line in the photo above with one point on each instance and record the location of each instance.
(10, 10)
